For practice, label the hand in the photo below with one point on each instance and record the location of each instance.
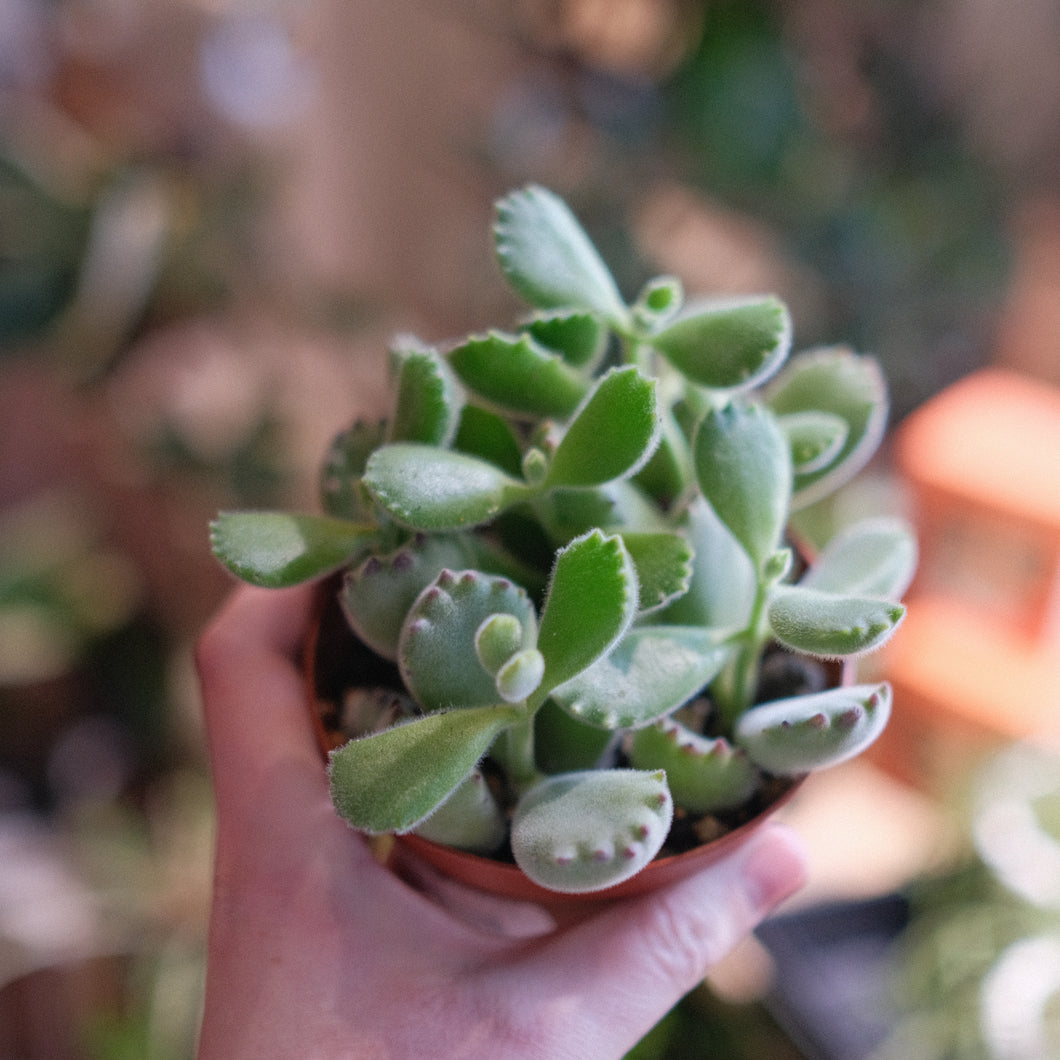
(317, 950)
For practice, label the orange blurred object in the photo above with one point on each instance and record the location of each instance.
(978, 657)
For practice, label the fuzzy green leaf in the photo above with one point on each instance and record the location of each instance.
(844, 384)
(434, 489)
(469, 819)
(490, 437)
(342, 493)
(562, 744)
(728, 344)
(581, 832)
(612, 435)
(521, 675)
(517, 375)
(873, 557)
(591, 602)
(789, 737)
(580, 338)
(651, 672)
(704, 776)
(829, 625)
(278, 549)
(497, 639)
(669, 471)
(392, 780)
(428, 404)
(659, 301)
(816, 439)
(664, 566)
(546, 256)
(743, 466)
(437, 653)
(722, 590)
(377, 595)
(567, 513)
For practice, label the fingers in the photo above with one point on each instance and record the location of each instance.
(484, 913)
(630, 964)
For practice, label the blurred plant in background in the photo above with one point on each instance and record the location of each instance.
(146, 370)
(813, 145)
(977, 971)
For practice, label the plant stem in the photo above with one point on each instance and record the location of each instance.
(736, 693)
(518, 754)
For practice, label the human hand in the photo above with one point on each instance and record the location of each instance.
(317, 950)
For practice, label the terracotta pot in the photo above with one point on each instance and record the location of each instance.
(334, 660)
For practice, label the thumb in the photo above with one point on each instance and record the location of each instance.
(622, 970)
(253, 691)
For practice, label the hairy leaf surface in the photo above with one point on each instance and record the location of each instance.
(744, 470)
(652, 671)
(829, 625)
(580, 832)
(789, 737)
(728, 344)
(613, 433)
(591, 602)
(434, 489)
(279, 549)
(392, 780)
(546, 256)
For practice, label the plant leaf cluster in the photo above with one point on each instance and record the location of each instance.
(566, 533)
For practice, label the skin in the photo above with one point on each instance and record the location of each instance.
(316, 949)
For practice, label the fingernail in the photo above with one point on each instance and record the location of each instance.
(773, 869)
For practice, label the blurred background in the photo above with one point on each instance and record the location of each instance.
(214, 214)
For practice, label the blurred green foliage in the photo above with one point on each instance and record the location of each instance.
(880, 194)
(42, 240)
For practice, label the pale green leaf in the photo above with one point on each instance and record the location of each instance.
(377, 595)
(728, 344)
(830, 625)
(612, 435)
(837, 381)
(434, 489)
(437, 652)
(428, 403)
(659, 301)
(581, 832)
(392, 780)
(514, 373)
(581, 338)
(872, 557)
(722, 590)
(743, 466)
(489, 436)
(521, 675)
(816, 439)
(469, 819)
(664, 566)
(547, 257)
(652, 671)
(498, 637)
(342, 493)
(278, 549)
(789, 737)
(592, 599)
(704, 775)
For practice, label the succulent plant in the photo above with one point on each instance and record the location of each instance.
(571, 540)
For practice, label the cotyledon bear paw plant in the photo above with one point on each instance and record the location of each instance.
(573, 541)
